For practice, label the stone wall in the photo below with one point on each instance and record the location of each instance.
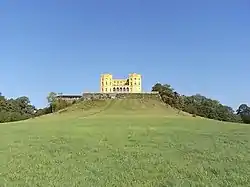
(96, 96)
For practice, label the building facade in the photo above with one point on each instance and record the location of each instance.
(132, 84)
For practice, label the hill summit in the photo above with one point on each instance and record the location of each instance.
(121, 104)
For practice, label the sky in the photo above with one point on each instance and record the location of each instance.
(64, 45)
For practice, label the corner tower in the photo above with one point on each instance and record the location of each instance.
(135, 83)
(106, 83)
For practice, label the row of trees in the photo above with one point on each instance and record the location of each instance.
(202, 106)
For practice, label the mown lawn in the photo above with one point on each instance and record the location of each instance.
(124, 151)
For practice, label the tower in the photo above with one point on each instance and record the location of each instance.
(135, 83)
(106, 83)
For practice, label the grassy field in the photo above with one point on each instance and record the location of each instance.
(123, 143)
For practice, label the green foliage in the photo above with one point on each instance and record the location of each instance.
(43, 111)
(60, 104)
(21, 109)
(197, 105)
(56, 104)
(51, 98)
(15, 109)
(244, 112)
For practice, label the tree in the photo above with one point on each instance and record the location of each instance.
(51, 100)
(51, 97)
(244, 112)
(169, 95)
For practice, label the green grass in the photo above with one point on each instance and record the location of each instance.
(123, 143)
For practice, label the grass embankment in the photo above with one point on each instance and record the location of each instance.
(123, 143)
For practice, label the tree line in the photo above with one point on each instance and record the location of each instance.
(15, 109)
(21, 108)
(199, 105)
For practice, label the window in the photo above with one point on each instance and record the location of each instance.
(106, 83)
(135, 83)
(135, 79)
(110, 89)
(106, 89)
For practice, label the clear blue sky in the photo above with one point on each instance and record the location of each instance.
(64, 45)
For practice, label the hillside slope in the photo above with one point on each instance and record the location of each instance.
(86, 145)
(126, 106)
(123, 142)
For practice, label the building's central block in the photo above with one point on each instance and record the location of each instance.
(132, 84)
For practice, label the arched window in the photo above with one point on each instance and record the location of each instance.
(120, 89)
(124, 89)
(127, 89)
(114, 89)
(117, 89)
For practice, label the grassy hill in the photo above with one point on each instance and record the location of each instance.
(128, 106)
(126, 142)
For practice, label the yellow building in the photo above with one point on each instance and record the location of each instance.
(130, 85)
